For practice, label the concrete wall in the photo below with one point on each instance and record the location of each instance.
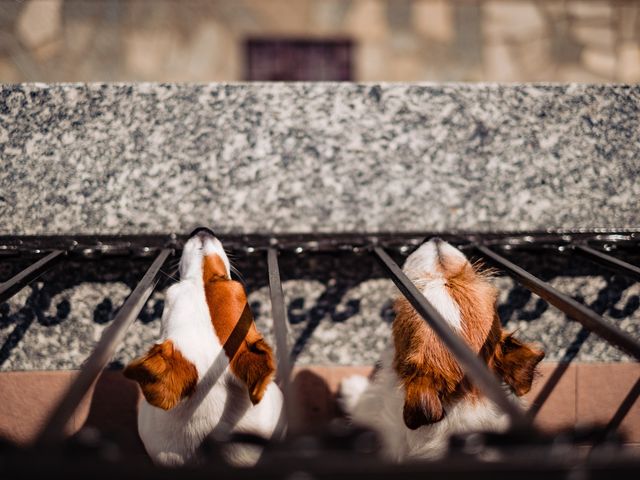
(395, 40)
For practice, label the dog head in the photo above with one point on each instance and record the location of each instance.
(165, 374)
(464, 296)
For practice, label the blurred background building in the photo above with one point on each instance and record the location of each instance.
(360, 40)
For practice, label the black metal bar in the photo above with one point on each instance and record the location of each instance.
(102, 353)
(621, 413)
(118, 245)
(572, 308)
(479, 374)
(608, 261)
(282, 345)
(529, 464)
(563, 365)
(29, 274)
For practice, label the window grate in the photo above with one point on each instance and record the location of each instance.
(296, 60)
(529, 447)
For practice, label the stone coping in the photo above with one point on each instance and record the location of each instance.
(317, 157)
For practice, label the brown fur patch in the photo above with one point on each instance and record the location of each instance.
(251, 358)
(476, 299)
(213, 268)
(164, 375)
(515, 362)
(427, 370)
(430, 375)
(423, 405)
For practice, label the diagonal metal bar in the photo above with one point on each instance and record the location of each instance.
(558, 372)
(282, 345)
(29, 274)
(623, 410)
(572, 308)
(111, 337)
(479, 374)
(608, 261)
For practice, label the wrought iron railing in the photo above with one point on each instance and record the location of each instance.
(340, 450)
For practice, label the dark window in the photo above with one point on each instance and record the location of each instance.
(298, 60)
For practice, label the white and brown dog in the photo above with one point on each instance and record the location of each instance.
(420, 395)
(211, 373)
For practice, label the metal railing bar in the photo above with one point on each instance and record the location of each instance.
(623, 410)
(557, 374)
(90, 246)
(111, 337)
(572, 308)
(478, 373)
(29, 274)
(608, 432)
(279, 313)
(608, 261)
(532, 465)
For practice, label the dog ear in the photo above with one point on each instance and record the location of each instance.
(251, 358)
(254, 365)
(253, 362)
(425, 368)
(164, 375)
(422, 404)
(516, 363)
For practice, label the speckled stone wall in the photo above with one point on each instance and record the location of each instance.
(312, 157)
(317, 157)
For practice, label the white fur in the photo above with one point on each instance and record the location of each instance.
(220, 404)
(422, 269)
(378, 404)
(425, 259)
(436, 292)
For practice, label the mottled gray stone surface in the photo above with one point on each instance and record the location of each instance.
(311, 158)
(317, 157)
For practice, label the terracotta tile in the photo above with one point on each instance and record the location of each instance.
(316, 387)
(558, 407)
(111, 407)
(585, 392)
(341, 372)
(601, 388)
(27, 400)
(315, 401)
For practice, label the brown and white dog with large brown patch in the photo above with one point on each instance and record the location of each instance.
(212, 371)
(420, 395)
